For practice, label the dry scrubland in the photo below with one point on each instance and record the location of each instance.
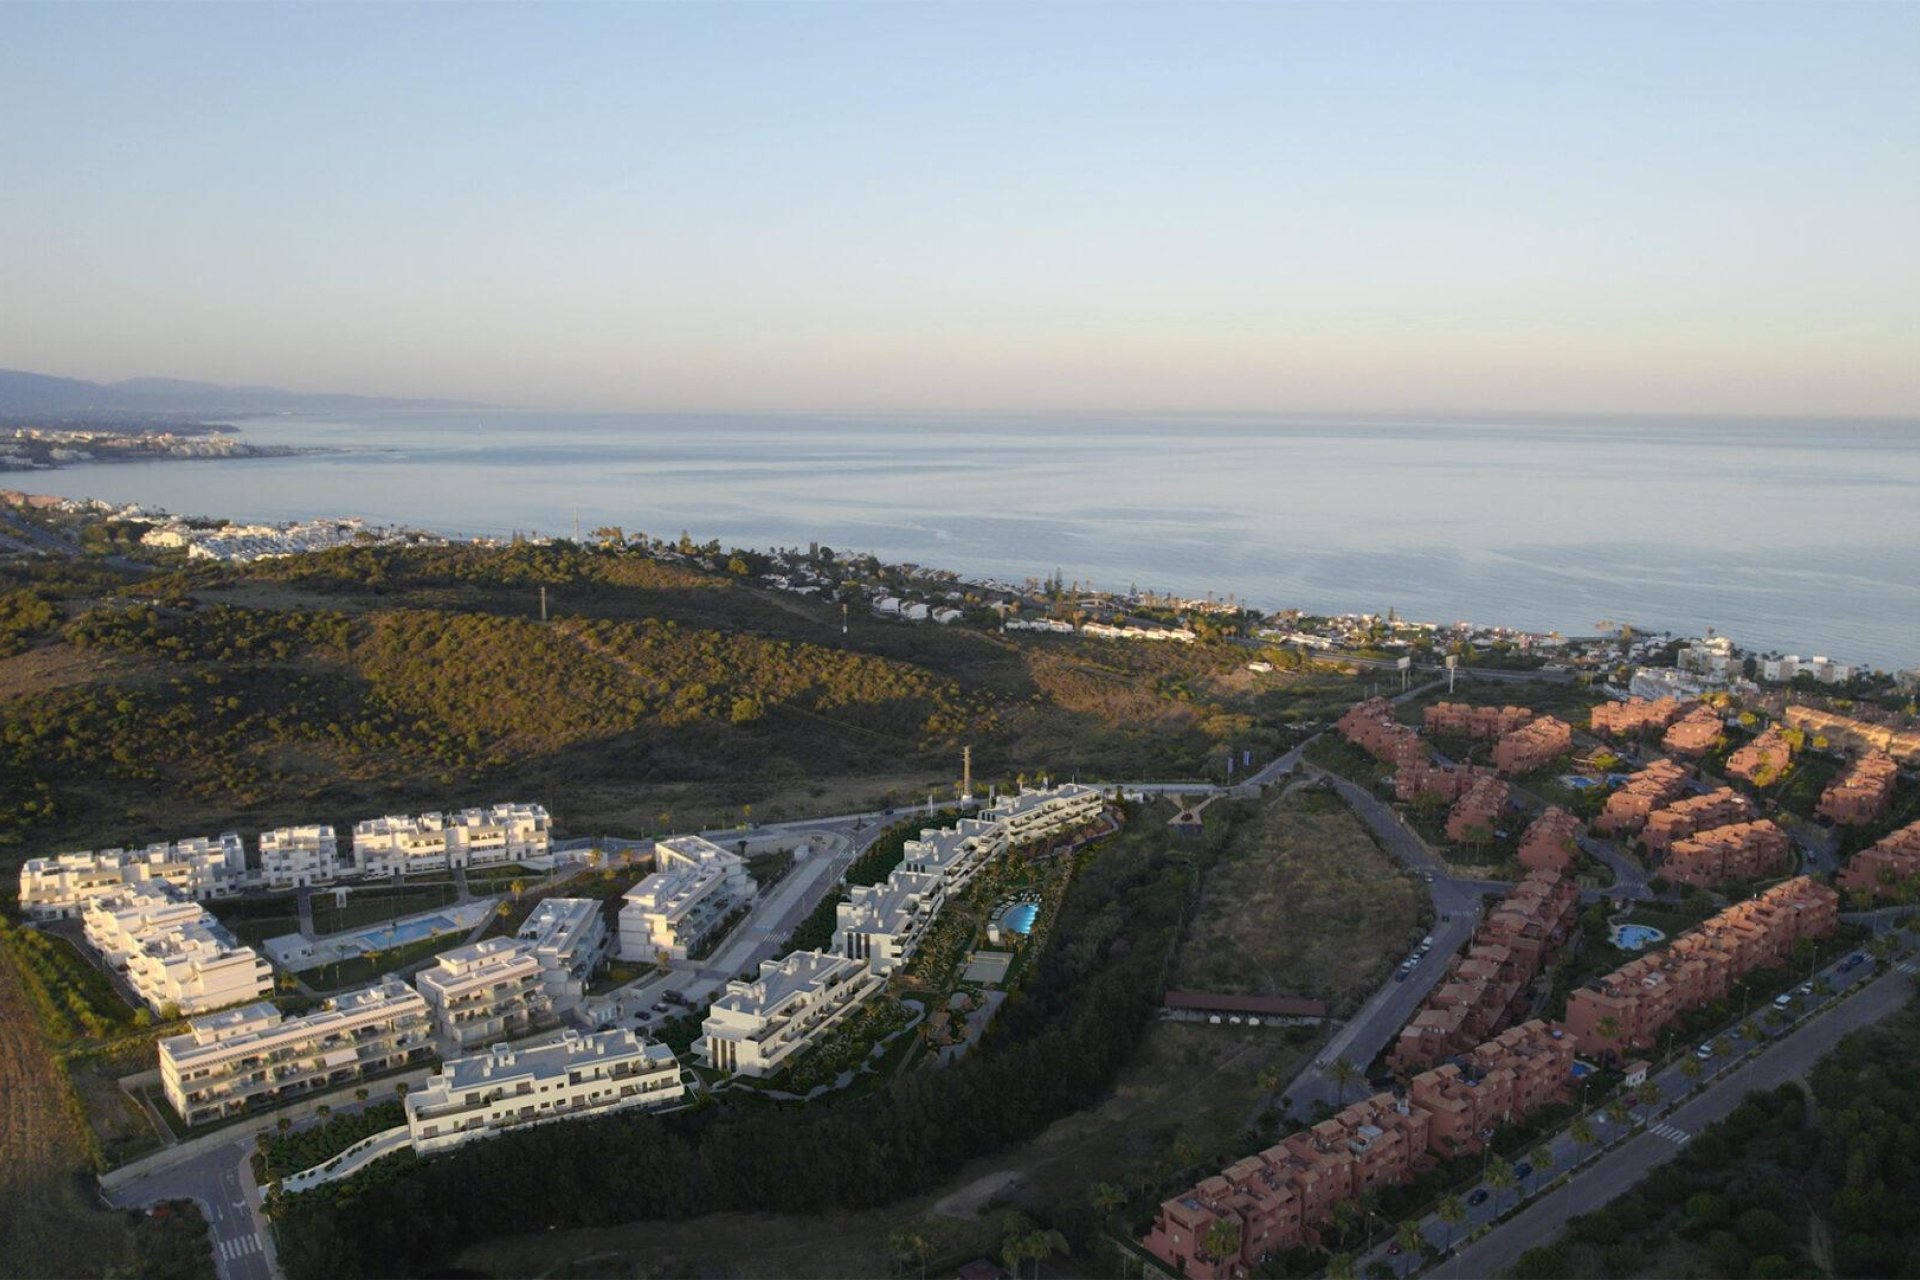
(1304, 903)
(363, 681)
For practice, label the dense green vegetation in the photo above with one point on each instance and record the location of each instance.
(1786, 1185)
(23, 614)
(1054, 1048)
(284, 1154)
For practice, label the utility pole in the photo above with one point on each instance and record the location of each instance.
(843, 617)
(543, 604)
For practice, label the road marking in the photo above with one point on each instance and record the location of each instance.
(1672, 1134)
(1908, 966)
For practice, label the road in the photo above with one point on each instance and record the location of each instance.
(1456, 909)
(1790, 1053)
(220, 1180)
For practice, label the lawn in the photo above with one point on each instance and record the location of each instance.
(1303, 903)
(361, 970)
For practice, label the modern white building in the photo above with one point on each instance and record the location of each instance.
(569, 938)
(758, 1026)
(695, 886)
(116, 923)
(574, 1077)
(486, 991)
(227, 1062)
(196, 967)
(1825, 670)
(295, 857)
(882, 924)
(956, 853)
(439, 841)
(1035, 815)
(52, 888)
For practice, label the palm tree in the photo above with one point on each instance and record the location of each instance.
(1452, 1212)
(1042, 1244)
(283, 1124)
(1541, 1158)
(360, 1095)
(1408, 1237)
(909, 1245)
(400, 1090)
(1106, 1197)
(1340, 1267)
(1649, 1095)
(1501, 1179)
(1270, 1080)
(1692, 1069)
(1617, 1112)
(1343, 1073)
(1583, 1136)
(517, 888)
(1223, 1238)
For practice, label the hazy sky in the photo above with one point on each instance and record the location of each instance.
(1655, 206)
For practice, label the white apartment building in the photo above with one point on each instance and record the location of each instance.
(171, 951)
(294, 857)
(882, 924)
(57, 887)
(695, 886)
(505, 1088)
(439, 841)
(1035, 815)
(569, 938)
(226, 1063)
(955, 853)
(1825, 670)
(486, 991)
(758, 1026)
(196, 967)
(116, 923)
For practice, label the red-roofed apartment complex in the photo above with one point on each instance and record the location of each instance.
(1683, 818)
(1658, 784)
(1695, 733)
(1551, 841)
(1533, 745)
(1737, 851)
(1627, 1010)
(1635, 716)
(1489, 985)
(1487, 723)
(1880, 869)
(1371, 726)
(1283, 1197)
(1763, 761)
(1478, 809)
(1863, 793)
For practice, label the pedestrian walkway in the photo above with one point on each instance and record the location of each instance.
(238, 1247)
(1671, 1133)
(1908, 967)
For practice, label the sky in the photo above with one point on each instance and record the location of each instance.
(1436, 207)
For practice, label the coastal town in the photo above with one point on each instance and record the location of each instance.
(1649, 860)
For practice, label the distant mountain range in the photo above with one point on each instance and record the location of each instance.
(32, 393)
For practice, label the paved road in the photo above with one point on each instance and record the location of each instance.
(1456, 907)
(220, 1180)
(1790, 1053)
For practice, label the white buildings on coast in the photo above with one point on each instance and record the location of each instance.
(173, 954)
(298, 857)
(760, 1024)
(507, 1087)
(440, 841)
(228, 1062)
(200, 868)
(695, 886)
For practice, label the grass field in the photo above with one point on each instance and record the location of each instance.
(366, 906)
(1304, 903)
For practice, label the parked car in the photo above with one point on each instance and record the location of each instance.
(1782, 1001)
(1704, 1052)
(1853, 962)
(1523, 1170)
(1805, 989)
(1478, 1196)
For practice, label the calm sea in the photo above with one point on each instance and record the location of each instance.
(1799, 536)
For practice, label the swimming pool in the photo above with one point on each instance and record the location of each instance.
(1634, 937)
(1577, 781)
(1020, 918)
(398, 935)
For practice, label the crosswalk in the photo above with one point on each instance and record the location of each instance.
(240, 1246)
(1672, 1134)
(1908, 967)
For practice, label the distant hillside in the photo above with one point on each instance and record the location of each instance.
(28, 393)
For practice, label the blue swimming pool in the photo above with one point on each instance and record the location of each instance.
(1577, 781)
(1020, 918)
(398, 935)
(1634, 937)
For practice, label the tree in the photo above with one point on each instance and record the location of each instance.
(323, 1111)
(1223, 1238)
(360, 1094)
(1407, 1236)
(1583, 1137)
(1340, 1267)
(1500, 1179)
(400, 1090)
(1617, 1112)
(1541, 1158)
(1453, 1212)
(517, 888)
(1649, 1095)
(1343, 1073)
(1106, 1197)
(1692, 1069)
(910, 1247)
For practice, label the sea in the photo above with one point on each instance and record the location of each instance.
(1796, 536)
